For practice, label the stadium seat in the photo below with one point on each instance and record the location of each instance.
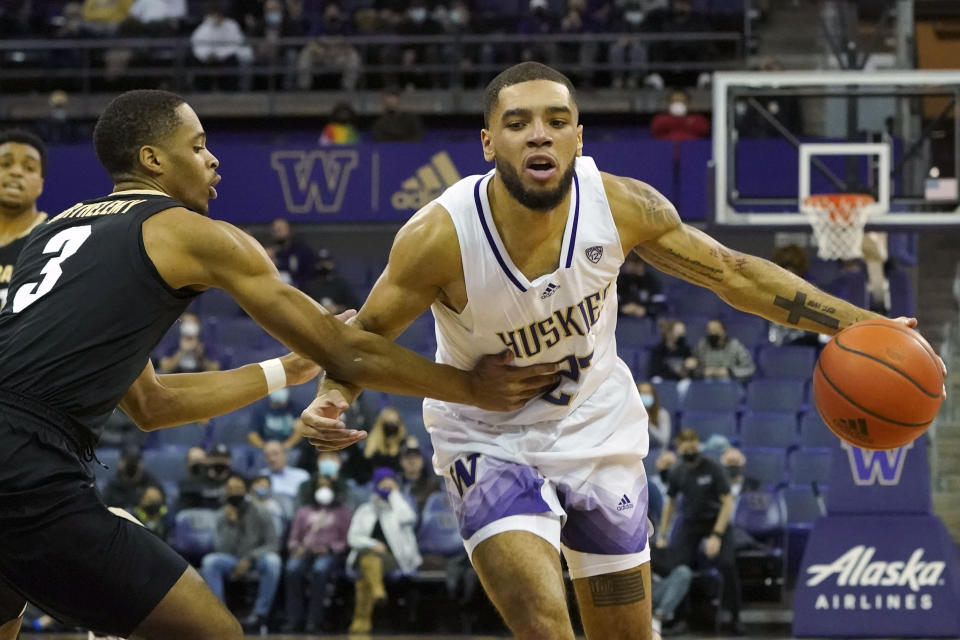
(234, 427)
(767, 465)
(637, 359)
(419, 334)
(232, 331)
(697, 301)
(762, 514)
(811, 465)
(792, 362)
(768, 429)
(246, 459)
(404, 403)
(668, 395)
(216, 302)
(696, 328)
(166, 463)
(439, 531)
(803, 507)
(813, 433)
(636, 332)
(189, 435)
(302, 395)
(708, 423)
(194, 533)
(749, 329)
(712, 395)
(775, 395)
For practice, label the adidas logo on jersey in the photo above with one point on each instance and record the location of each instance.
(624, 503)
(427, 183)
(549, 291)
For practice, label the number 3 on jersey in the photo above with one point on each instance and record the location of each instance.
(576, 366)
(64, 244)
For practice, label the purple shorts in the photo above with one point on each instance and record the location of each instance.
(596, 516)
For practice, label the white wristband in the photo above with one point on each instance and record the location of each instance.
(274, 373)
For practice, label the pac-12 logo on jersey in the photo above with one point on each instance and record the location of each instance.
(871, 467)
(594, 253)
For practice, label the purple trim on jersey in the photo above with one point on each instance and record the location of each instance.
(576, 218)
(486, 232)
(599, 528)
(501, 489)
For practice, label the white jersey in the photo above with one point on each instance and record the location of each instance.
(568, 315)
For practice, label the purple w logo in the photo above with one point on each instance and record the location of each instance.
(871, 467)
(461, 476)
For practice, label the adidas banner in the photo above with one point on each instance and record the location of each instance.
(879, 564)
(305, 182)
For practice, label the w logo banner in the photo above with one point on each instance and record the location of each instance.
(314, 180)
(872, 467)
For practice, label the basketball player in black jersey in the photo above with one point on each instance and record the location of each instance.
(23, 163)
(94, 290)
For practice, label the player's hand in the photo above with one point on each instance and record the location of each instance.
(712, 546)
(322, 426)
(496, 385)
(911, 323)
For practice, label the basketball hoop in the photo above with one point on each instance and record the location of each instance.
(838, 220)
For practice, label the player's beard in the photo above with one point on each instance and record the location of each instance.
(538, 200)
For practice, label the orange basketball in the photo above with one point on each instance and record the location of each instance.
(878, 384)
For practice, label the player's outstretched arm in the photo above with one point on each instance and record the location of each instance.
(192, 251)
(649, 224)
(159, 401)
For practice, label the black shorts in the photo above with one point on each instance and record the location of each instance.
(60, 547)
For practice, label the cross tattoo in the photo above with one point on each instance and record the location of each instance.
(798, 309)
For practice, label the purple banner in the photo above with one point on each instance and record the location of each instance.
(878, 577)
(880, 482)
(305, 182)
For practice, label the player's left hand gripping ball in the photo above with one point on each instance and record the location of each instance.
(322, 426)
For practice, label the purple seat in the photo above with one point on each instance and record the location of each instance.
(813, 433)
(708, 423)
(811, 465)
(775, 395)
(765, 464)
(794, 362)
(768, 429)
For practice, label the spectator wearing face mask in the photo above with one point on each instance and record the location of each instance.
(382, 446)
(292, 257)
(328, 287)
(396, 124)
(275, 421)
(130, 481)
(317, 547)
(341, 129)
(262, 495)
(246, 541)
(382, 540)
(733, 462)
(204, 487)
(152, 511)
(707, 509)
(639, 292)
(722, 357)
(672, 358)
(190, 356)
(416, 480)
(330, 465)
(678, 124)
(658, 418)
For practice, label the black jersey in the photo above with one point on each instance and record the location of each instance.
(85, 308)
(8, 258)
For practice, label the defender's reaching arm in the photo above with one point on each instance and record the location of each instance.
(190, 250)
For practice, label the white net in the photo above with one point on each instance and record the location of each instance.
(838, 220)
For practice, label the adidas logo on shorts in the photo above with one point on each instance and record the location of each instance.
(427, 183)
(624, 503)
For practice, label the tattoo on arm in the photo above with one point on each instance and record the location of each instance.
(612, 590)
(800, 308)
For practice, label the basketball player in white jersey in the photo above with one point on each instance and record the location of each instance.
(525, 258)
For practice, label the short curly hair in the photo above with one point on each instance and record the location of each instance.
(132, 120)
(523, 72)
(21, 136)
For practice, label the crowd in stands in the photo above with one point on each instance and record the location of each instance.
(294, 539)
(247, 35)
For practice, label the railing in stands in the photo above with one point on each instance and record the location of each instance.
(447, 62)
